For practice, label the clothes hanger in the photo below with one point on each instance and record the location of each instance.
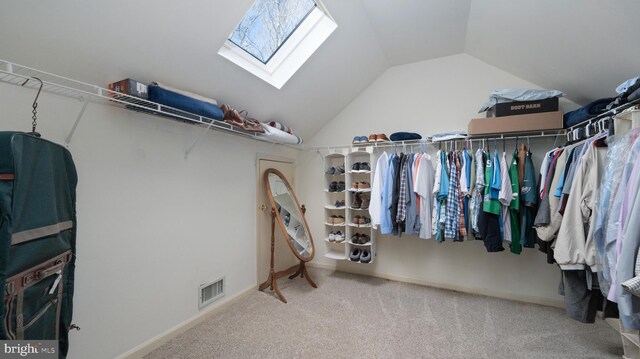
(34, 124)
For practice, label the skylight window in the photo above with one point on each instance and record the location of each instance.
(275, 38)
(268, 24)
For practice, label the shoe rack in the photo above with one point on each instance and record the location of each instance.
(358, 218)
(336, 247)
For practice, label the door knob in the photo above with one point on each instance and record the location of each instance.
(263, 207)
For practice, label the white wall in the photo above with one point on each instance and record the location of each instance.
(152, 225)
(430, 97)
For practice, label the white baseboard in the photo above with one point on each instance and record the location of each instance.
(482, 291)
(150, 345)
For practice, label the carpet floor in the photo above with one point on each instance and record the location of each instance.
(355, 316)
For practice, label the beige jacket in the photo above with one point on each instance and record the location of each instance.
(548, 233)
(575, 245)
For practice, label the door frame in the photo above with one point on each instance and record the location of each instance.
(274, 158)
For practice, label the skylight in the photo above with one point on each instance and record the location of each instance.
(276, 37)
(268, 24)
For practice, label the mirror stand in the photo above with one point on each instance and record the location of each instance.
(299, 269)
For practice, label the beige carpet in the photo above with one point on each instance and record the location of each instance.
(354, 316)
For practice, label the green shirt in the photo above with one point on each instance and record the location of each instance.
(489, 205)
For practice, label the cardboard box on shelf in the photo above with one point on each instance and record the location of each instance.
(523, 107)
(130, 87)
(519, 123)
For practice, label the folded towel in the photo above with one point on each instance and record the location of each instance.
(278, 135)
(187, 93)
(586, 112)
(404, 136)
(511, 95)
(280, 126)
(449, 136)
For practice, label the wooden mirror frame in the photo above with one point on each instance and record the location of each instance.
(280, 220)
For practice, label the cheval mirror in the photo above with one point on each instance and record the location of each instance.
(286, 210)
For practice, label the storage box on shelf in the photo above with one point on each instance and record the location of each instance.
(360, 234)
(335, 206)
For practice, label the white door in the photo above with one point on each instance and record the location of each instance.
(284, 258)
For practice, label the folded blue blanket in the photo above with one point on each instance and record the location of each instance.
(405, 136)
(586, 112)
(184, 103)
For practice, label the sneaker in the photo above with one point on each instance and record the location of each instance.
(365, 256)
(340, 170)
(355, 239)
(287, 218)
(339, 237)
(341, 186)
(373, 138)
(355, 255)
(356, 166)
(331, 171)
(364, 166)
(332, 236)
(356, 219)
(356, 140)
(338, 220)
(355, 186)
(364, 185)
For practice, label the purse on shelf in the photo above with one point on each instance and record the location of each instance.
(235, 118)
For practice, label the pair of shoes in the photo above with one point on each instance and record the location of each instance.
(335, 219)
(360, 238)
(358, 140)
(360, 201)
(381, 137)
(360, 255)
(287, 219)
(339, 203)
(336, 237)
(337, 186)
(361, 220)
(361, 166)
(360, 185)
(335, 170)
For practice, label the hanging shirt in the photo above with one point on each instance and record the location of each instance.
(386, 225)
(496, 180)
(464, 180)
(377, 190)
(442, 197)
(411, 215)
(476, 199)
(529, 197)
(423, 186)
(514, 206)
(463, 229)
(490, 205)
(435, 191)
(452, 223)
(505, 196)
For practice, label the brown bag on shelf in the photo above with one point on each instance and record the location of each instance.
(235, 118)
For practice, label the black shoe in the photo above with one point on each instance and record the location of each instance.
(355, 254)
(341, 186)
(365, 257)
(333, 187)
(356, 166)
(364, 166)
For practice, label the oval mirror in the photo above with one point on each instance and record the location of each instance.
(289, 214)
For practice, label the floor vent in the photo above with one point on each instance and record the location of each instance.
(210, 292)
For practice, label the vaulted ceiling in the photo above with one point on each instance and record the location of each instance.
(582, 47)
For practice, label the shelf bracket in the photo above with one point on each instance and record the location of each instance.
(75, 124)
(195, 143)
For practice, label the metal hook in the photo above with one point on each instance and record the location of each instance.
(34, 124)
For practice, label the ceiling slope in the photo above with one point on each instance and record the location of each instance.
(418, 30)
(583, 47)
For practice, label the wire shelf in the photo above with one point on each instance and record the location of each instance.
(17, 75)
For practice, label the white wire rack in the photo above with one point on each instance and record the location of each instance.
(21, 75)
